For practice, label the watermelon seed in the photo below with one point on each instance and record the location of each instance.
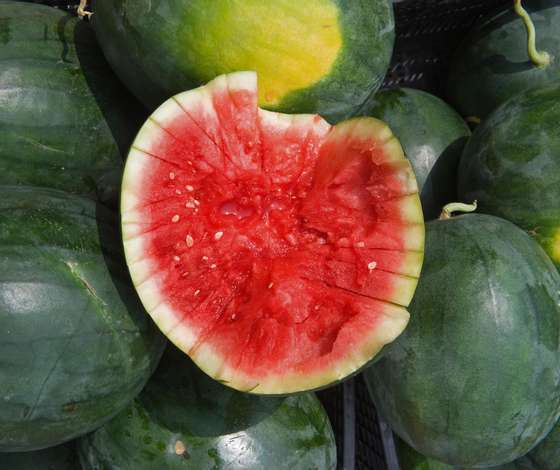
(205, 258)
(175, 218)
(178, 191)
(189, 204)
(270, 285)
(196, 292)
(371, 265)
(360, 244)
(189, 162)
(218, 235)
(212, 266)
(176, 258)
(233, 316)
(189, 240)
(196, 202)
(316, 307)
(171, 176)
(189, 188)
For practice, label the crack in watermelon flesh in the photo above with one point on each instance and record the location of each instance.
(277, 251)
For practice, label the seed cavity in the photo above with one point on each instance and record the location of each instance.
(218, 235)
(175, 218)
(189, 240)
(372, 265)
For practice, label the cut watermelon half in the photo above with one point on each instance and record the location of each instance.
(277, 251)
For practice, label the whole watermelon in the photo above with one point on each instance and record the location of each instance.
(474, 380)
(62, 457)
(433, 136)
(75, 343)
(66, 121)
(511, 165)
(317, 56)
(185, 420)
(492, 64)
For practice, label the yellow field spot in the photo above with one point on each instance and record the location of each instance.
(555, 248)
(290, 44)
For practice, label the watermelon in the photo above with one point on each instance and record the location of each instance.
(275, 250)
(511, 165)
(66, 121)
(474, 380)
(493, 64)
(317, 56)
(432, 135)
(185, 420)
(61, 457)
(409, 459)
(75, 343)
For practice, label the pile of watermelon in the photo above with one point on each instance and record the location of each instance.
(209, 210)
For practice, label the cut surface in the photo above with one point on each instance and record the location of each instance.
(277, 251)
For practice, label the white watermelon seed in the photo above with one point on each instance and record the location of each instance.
(371, 265)
(188, 187)
(171, 176)
(233, 316)
(212, 266)
(270, 285)
(360, 244)
(189, 240)
(189, 204)
(196, 292)
(196, 202)
(218, 235)
(205, 258)
(178, 191)
(176, 258)
(175, 218)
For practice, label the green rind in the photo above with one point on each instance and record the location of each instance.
(66, 121)
(546, 456)
(61, 457)
(432, 135)
(511, 165)
(219, 428)
(492, 63)
(474, 380)
(141, 44)
(75, 343)
(409, 459)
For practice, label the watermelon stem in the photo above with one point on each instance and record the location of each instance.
(539, 58)
(448, 209)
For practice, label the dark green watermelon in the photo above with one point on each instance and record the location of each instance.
(492, 64)
(66, 121)
(317, 56)
(409, 459)
(432, 135)
(474, 380)
(61, 457)
(511, 165)
(185, 420)
(75, 343)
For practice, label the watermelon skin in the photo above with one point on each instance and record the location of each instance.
(66, 121)
(492, 63)
(142, 45)
(61, 457)
(218, 427)
(511, 166)
(75, 343)
(474, 380)
(409, 459)
(433, 136)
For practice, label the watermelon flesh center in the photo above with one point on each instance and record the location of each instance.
(277, 251)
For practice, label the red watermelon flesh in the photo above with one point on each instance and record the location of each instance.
(275, 250)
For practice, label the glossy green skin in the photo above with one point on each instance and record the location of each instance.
(66, 121)
(432, 135)
(409, 459)
(511, 165)
(492, 63)
(474, 380)
(146, 55)
(75, 343)
(219, 427)
(546, 456)
(61, 457)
